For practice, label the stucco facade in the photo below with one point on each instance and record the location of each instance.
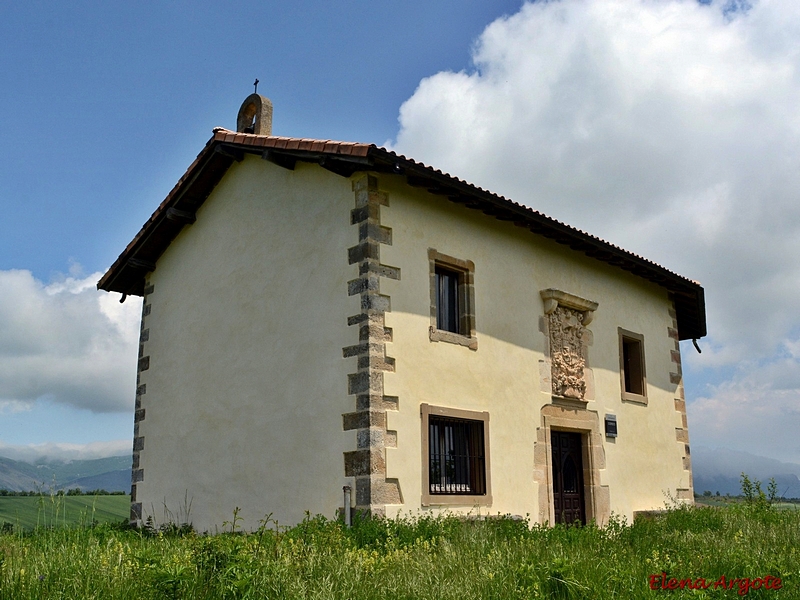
(290, 347)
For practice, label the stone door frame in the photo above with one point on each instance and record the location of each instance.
(597, 500)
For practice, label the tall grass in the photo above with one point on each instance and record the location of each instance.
(424, 557)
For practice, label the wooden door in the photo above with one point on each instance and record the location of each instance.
(568, 498)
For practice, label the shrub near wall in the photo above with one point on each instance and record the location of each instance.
(445, 558)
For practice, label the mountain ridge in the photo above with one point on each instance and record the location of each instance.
(53, 475)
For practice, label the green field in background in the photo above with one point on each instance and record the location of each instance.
(28, 512)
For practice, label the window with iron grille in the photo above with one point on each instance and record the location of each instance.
(456, 458)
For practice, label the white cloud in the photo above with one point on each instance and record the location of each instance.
(672, 129)
(67, 342)
(57, 452)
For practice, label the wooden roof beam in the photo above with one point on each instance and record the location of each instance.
(230, 151)
(279, 158)
(183, 217)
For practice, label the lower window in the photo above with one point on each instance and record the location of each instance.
(456, 469)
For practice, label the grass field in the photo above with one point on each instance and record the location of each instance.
(28, 512)
(733, 552)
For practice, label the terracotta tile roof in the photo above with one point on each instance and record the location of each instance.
(126, 275)
(284, 143)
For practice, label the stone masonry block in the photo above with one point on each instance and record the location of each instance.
(356, 319)
(374, 330)
(675, 356)
(363, 491)
(364, 251)
(376, 268)
(138, 444)
(363, 419)
(673, 333)
(349, 351)
(391, 439)
(386, 492)
(377, 362)
(365, 184)
(144, 363)
(358, 383)
(675, 378)
(370, 195)
(136, 511)
(368, 283)
(373, 232)
(363, 213)
(358, 463)
(137, 475)
(376, 302)
(369, 401)
(372, 437)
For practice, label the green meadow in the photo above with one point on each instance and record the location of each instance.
(29, 512)
(749, 550)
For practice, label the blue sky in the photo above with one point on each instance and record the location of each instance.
(669, 128)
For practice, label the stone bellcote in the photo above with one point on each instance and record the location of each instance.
(255, 115)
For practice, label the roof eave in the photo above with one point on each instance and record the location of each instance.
(128, 272)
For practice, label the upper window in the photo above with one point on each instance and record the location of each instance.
(452, 300)
(448, 311)
(456, 455)
(632, 373)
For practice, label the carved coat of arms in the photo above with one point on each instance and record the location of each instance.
(566, 349)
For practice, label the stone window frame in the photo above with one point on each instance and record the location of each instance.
(466, 299)
(627, 396)
(428, 499)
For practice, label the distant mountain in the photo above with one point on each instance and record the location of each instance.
(112, 481)
(720, 469)
(47, 475)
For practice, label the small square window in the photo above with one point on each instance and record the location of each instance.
(632, 373)
(452, 300)
(455, 456)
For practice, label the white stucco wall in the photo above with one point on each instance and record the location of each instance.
(247, 384)
(502, 376)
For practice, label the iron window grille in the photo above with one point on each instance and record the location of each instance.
(457, 463)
